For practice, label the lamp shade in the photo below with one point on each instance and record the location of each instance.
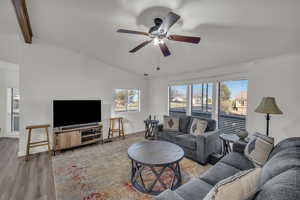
(268, 105)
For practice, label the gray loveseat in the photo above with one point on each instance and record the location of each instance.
(197, 148)
(279, 179)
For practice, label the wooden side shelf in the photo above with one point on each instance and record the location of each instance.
(76, 137)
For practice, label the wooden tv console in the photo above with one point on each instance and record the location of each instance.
(75, 137)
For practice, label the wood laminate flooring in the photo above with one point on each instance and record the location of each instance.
(21, 180)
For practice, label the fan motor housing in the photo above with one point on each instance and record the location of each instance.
(154, 29)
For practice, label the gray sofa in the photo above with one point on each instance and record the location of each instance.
(197, 148)
(279, 179)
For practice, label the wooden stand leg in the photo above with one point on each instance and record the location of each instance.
(121, 129)
(28, 145)
(48, 141)
(110, 131)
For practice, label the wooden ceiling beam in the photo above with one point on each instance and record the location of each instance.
(23, 19)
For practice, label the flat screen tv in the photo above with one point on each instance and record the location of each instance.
(76, 112)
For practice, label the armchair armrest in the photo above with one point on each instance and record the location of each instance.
(239, 146)
(207, 144)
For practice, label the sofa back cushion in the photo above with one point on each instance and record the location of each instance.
(280, 162)
(211, 124)
(284, 144)
(184, 122)
(284, 186)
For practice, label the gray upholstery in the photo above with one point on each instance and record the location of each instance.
(238, 161)
(197, 148)
(284, 144)
(279, 180)
(169, 195)
(186, 140)
(219, 172)
(184, 122)
(169, 135)
(194, 189)
(280, 162)
(285, 186)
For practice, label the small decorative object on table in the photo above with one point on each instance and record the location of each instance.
(243, 134)
(150, 126)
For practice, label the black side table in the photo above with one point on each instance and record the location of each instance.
(150, 126)
(226, 140)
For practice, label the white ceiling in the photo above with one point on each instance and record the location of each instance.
(232, 31)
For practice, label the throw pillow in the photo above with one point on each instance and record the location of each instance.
(171, 123)
(258, 148)
(198, 127)
(240, 186)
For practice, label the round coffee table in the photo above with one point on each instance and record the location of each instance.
(152, 160)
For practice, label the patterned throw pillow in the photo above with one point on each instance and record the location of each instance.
(240, 186)
(198, 126)
(171, 123)
(259, 148)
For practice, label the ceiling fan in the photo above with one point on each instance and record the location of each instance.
(159, 32)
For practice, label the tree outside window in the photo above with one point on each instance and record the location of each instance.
(127, 100)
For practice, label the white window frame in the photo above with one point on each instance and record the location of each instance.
(126, 103)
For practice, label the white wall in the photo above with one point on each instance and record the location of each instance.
(278, 77)
(9, 78)
(48, 72)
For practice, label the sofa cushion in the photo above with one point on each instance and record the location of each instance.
(218, 172)
(194, 189)
(211, 124)
(185, 140)
(168, 195)
(280, 162)
(184, 123)
(238, 161)
(284, 144)
(169, 135)
(284, 186)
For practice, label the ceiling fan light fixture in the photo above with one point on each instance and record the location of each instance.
(158, 41)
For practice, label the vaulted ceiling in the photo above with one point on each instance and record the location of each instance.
(232, 31)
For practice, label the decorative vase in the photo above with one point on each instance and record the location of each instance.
(242, 134)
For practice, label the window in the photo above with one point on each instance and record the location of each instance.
(233, 105)
(127, 100)
(178, 99)
(202, 100)
(13, 109)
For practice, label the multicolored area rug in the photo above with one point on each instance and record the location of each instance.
(102, 172)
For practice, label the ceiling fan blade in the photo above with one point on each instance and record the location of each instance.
(140, 46)
(182, 38)
(164, 49)
(168, 22)
(132, 32)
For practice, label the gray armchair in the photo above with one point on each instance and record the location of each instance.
(197, 148)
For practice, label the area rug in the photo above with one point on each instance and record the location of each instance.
(102, 172)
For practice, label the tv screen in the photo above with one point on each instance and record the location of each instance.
(76, 112)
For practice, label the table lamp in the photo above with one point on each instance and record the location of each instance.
(268, 106)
